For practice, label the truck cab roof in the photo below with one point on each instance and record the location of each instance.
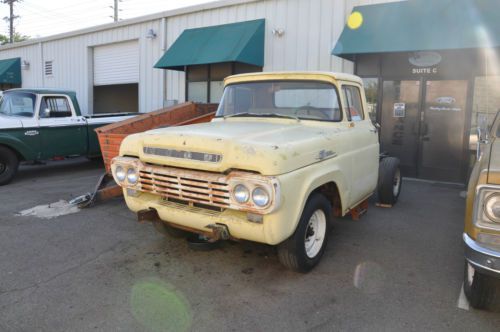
(44, 91)
(293, 76)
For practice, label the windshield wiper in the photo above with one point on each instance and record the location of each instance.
(240, 114)
(262, 115)
(278, 115)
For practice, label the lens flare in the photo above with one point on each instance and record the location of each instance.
(158, 306)
(355, 20)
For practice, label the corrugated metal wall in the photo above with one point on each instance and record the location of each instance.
(310, 29)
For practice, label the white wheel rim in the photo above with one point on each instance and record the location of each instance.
(315, 233)
(396, 182)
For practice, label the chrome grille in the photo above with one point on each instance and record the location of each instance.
(187, 185)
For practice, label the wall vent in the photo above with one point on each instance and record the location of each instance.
(48, 68)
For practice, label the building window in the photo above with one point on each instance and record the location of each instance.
(48, 68)
(197, 83)
(205, 83)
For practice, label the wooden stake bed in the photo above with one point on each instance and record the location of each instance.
(111, 136)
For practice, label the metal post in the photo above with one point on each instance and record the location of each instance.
(115, 7)
(11, 21)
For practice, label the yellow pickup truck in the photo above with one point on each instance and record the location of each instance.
(285, 153)
(482, 222)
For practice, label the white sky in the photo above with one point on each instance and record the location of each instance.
(43, 18)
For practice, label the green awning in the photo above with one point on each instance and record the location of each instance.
(237, 42)
(10, 71)
(422, 25)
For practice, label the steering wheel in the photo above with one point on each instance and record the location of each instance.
(312, 112)
(26, 114)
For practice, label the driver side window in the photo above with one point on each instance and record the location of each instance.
(353, 105)
(58, 107)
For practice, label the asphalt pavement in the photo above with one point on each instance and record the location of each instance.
(97, 269)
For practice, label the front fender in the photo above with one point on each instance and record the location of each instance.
(295, 189)
(18, 145)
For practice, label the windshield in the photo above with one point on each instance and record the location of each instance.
(17, 104)
(309, 100)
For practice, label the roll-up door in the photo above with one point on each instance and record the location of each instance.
(116, 63)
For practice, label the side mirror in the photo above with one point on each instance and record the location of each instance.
(482, 129)
(482, 133)
(46, 113)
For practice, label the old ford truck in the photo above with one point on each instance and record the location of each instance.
(285, 153)
(40, 124)
(482, 223)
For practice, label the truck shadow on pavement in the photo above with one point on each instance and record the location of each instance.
(42, 172)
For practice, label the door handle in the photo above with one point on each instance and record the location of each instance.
(426, 138)
(425, 129)
(374, 130)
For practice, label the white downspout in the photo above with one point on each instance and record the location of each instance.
(163, 28)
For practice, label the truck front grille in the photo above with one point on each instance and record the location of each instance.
(187, 185)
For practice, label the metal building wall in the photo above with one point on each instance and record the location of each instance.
(72, 63)
(311, 27)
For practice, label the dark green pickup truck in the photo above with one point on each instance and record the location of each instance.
(41, 124)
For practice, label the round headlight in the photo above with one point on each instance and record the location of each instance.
(241, 194)
(131, 176)
(260, 197)
(492, 207)
(120, 173)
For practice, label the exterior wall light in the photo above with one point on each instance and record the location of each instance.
(151, 34)
(25, 65)
(278, 32)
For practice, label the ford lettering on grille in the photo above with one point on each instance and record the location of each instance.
(181, 154)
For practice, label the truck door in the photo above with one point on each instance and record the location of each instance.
(63, 132)
(364, 143)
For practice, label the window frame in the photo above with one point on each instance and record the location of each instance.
(34, 99)
(339, 99)
(234, 70)
(347, 110)
(68, 102)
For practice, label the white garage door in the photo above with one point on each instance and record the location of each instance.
(116, 63)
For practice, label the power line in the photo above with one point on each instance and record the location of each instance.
(62, 18)
(73, 6)
(55, 13)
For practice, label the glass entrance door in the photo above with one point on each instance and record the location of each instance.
(400, 123)
(443, 127)
(423, 124)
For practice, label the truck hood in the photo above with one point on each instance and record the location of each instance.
(267, 147)
(8, 122)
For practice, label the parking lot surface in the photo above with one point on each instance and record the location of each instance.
(98, 269)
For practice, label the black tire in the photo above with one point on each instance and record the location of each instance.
(483, 291)
(389, 181)
(292, 252)
(9, 163)
(168, 230)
